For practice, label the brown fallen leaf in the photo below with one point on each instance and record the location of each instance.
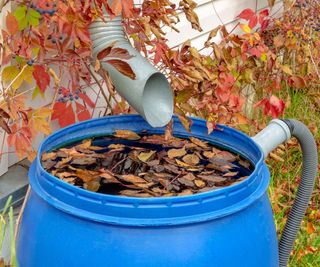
(145, 156)
(84, 161)
(230, 174)
(85, 144)
(198, 142)
(63, 162)
(212, 178)
(185, 192)
(48, 164)
(199, 183)
(116, 147)
(189, 176)
(182, 164)
(130, 178)
(226, 156)
(191, 159)
(92, 185)
(126, 134)
(185, 182)
(175, 153)
(87, 175)
(49, 156)
(208, 154)
(245, 164)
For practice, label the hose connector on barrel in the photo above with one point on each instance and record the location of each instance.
(277, 132)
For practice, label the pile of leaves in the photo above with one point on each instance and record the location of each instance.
(46, 50)
(128, 164)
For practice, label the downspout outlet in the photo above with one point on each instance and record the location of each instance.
(149, 93)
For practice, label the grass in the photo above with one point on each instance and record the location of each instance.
(285, 179)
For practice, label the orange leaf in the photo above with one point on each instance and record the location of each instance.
(12, 24)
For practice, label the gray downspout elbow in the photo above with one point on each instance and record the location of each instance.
(149, 93)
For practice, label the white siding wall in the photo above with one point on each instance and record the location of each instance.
(211, 14)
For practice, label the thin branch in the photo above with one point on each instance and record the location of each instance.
(101, 88)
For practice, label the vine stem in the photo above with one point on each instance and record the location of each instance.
(101, 88)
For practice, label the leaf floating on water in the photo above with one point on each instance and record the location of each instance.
(85, 144)
(84, 161)
(230, 174)
(245, 164)
(182, 164)
(145, 156)
(209, 154)
(87, 175)
(116, 147)
(126, 134)
(199, 183)
(131, 178)
(175, 153)
(198, 142)
(191, 159)
(92, 186)
(185, 182)
(49, 156)
(150, 166)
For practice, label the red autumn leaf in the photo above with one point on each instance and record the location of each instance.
(87, 100)
(82, 113)
(12, 24)
(63, 113)
(253, 21)
(42, 77)
(119, 53)
(122, 67)
(160, 49)
(103, 53)
(246, 14)
(262, 14)
(122, 6)
(265, 24)
(273, 105)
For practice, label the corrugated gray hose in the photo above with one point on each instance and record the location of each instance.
(309, 173)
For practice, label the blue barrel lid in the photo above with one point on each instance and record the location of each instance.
(152, 211)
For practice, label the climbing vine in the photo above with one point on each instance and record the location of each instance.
(46, 53)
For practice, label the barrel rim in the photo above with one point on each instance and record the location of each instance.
(143, 211)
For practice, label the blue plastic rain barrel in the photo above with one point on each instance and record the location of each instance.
(66, 226)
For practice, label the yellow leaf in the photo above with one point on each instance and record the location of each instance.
(38, 121)
(245, 28)
(9, 73)
(13, 72)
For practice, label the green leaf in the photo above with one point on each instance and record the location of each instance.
(27, 17)
(21, 16)
(36, 92)
(33, 17)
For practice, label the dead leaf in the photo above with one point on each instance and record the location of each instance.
(87, 175)
(175, 153)
(126, 134)
(130, 178)
(191, 159)
(230, 174)
(198, 142)
(199, 183)
(92, 185)
(145, 156)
